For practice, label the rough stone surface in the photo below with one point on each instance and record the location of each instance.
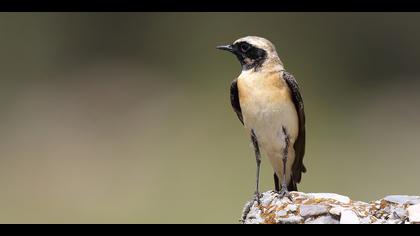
(403, 199)
(331, 208)
(322, 220)
(414, 213)
(349, 217)
(313, 210)
(337, 197)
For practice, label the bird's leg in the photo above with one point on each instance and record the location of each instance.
(258, 160)
(276, 183)
(284, 192)
(257, 192)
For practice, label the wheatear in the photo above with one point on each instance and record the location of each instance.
(267, 101)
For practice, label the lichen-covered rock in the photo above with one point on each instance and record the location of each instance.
(331, 208)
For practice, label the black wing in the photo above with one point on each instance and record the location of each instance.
(234, 99)
(299, 145)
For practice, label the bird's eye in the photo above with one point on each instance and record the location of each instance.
(245, 47)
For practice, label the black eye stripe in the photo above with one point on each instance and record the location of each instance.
(250, 57)
(245, 47)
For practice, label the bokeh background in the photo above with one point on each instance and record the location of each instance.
(126, 118)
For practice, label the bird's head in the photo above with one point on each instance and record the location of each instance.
(253, 52)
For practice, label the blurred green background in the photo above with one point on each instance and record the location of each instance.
(126, 118)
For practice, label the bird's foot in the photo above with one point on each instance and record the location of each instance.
(256, 198)
(284, 193)
(247, 209)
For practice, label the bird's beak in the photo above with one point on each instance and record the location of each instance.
(226, 48)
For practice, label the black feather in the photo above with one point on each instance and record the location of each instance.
(234, 100)
(298, 168)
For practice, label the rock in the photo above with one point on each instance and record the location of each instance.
(281, 213)
(266, 199)
(414, 213)
(393, 221)
(313, 210)
(349, 217)
(331, 208)
(252, 213)
(400, 213)
(323, 220)
(336, 210)
(403, 199)
(291, 208)
(337, 197)
(365, 220)
(291, 220)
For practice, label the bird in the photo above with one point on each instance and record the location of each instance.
(267, 100)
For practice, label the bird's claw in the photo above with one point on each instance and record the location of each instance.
(249, 205)
(284, 193)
